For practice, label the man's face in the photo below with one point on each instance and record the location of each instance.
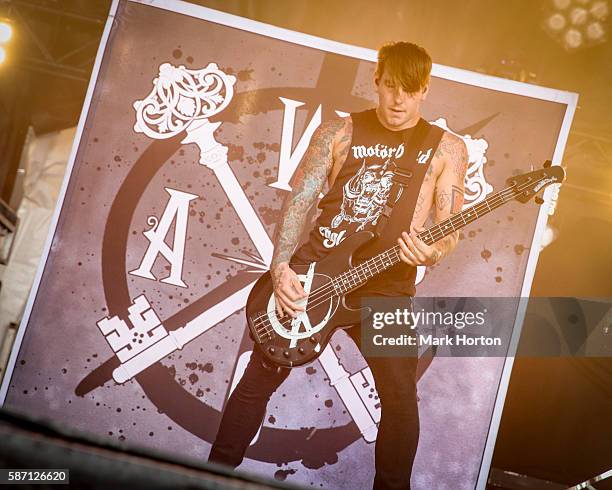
(396, 108)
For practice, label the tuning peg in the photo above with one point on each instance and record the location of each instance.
(547, 163)
(539, 200)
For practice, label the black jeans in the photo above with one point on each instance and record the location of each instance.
(398, 431)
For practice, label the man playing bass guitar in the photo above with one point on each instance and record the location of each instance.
(358, 157)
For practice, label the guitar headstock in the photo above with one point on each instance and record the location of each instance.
(527, 185)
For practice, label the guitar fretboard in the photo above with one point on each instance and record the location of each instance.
(360, 274)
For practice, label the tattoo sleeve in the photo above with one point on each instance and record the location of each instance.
(450, 187)
(329, 143)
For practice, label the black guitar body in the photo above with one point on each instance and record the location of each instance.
(288, 342)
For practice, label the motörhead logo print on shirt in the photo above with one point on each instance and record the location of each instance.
(357, 198)
(365, 194)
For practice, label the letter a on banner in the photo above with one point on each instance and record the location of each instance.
(178, 206)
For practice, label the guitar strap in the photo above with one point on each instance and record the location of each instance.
(421, 144)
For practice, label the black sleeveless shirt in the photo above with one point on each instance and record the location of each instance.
(357, 198)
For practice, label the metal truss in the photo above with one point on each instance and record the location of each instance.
(56, 42)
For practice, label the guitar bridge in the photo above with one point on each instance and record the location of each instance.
(267, 335)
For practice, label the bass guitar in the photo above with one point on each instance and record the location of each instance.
(296, 341)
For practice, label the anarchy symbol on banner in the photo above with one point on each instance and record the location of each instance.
(301, 326)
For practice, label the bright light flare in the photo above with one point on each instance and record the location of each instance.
(572, 38)
(595, 31)
(2, 55)
(6, 32)
(599, 10)
(556, 22)
(578, 16)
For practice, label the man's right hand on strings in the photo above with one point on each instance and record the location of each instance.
(288, 290)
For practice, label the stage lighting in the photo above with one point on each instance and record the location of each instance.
(6, 32)
(595, 31)
(599, 10)
(576, 24)
(2, 55)
(578, 16)
(556, 22)
(573, 38)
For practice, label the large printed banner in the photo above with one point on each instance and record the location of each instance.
(194, 124)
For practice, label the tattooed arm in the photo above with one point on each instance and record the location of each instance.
(448, 199)
(450, 188)
(323, 158)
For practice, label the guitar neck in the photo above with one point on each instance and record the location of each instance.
(360, 274)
